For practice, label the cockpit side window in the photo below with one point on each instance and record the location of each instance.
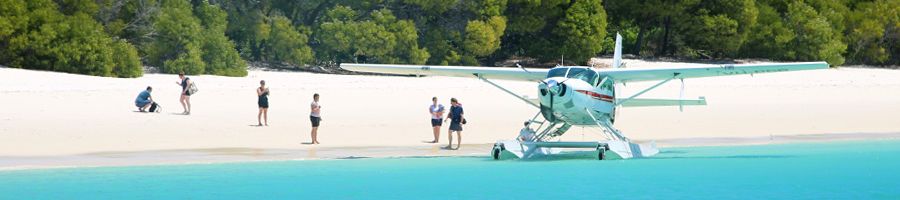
(608, 85)
(557, 72)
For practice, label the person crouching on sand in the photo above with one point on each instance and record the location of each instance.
(456, 121)
(437, 114)
(263, 93)
(144, 100)
(315, 116)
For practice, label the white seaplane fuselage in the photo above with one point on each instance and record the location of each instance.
(569, 93)
(574, 96)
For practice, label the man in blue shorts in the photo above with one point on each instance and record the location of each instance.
(144, 100)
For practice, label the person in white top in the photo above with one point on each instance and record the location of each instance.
(315, 117)
(437, 116)
(526, 134)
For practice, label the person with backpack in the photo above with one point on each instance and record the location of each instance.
(186, 86)
(144, 100)
(456, 122)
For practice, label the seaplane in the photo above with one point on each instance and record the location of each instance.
(583, 96)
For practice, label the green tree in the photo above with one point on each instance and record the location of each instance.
(380, 38)
(770, 37)
(193, 42)
(716, 29)
(126, 61)
(176, 45)
(287, 44)
(483, 37)
(815, 39)
(219, 53)
(582, 30)
(36, 35)
(873, 33)
(432, 6)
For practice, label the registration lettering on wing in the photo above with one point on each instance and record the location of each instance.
(731, 70)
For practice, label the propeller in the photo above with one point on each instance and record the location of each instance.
(554, 89)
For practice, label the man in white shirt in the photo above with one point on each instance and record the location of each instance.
(315, 117)
(526, 134)
(437, 114)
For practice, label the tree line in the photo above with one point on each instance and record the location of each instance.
(118, 37)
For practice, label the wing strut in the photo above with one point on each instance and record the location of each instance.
(607, 127)
(507, 91)
(646, 90)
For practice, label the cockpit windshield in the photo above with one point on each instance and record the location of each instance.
(586, 75)
(575, 71)
(557, 72)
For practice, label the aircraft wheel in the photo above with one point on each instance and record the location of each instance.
(602, 154)
(496, 153)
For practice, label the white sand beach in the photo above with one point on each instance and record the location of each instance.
(47, 115)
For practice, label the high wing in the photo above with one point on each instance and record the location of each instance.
(457, 71)
(649, 74)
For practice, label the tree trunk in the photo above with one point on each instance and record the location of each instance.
(665, 40)
(640, 41)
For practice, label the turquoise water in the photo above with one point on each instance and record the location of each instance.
(836, 170)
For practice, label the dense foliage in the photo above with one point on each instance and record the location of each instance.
(117, 37)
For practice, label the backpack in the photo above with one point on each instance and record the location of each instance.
(193, 89)
(155, 107)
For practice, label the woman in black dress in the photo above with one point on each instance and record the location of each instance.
(263, 93)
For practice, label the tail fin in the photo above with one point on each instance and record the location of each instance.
(617, 55)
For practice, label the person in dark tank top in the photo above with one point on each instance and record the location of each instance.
(185, 100)
(456, 120)
(262, 92)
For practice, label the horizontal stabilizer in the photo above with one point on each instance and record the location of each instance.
(664, 102)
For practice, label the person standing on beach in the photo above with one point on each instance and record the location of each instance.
(456, 121)
(263, 93)
(315, 116)
(437, 114)
(144, 100)
(185, 93)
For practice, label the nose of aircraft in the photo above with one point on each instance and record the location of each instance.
(555, 87)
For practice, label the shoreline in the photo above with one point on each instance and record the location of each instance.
(245, 155)
(50, 119)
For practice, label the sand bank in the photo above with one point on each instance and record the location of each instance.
(48, 114)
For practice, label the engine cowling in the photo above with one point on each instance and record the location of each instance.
(550, 92)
